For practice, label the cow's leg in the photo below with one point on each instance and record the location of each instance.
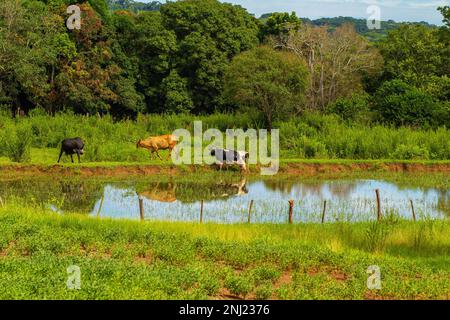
(60, 154)
(151, 154)
(170, 153)
(71, 157)
(78, 154)
(157, 153)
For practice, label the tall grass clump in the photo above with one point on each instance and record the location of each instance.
(16, 142)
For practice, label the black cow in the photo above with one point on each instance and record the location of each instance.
(72, 146)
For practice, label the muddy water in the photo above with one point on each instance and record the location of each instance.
(227, 201)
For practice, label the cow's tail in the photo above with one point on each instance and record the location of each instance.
(138, 144)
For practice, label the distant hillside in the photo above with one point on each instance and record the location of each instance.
(360, 25)
(133, 5)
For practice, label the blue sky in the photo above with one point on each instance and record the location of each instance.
(399, 10)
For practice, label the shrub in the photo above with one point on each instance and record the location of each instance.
(410, 152)
(18, 144)
(400, 104)
(354, 108)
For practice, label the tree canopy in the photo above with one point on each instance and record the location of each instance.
(272, 82)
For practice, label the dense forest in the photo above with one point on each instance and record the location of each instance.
(204, 56)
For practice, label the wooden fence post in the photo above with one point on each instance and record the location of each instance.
(201, 211)
(141, 208)
(377, 191)
(413, 211)
(324, 209)
(101, 206)
(291, 209)
(250, 211)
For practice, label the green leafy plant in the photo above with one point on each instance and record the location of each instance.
(18, 144)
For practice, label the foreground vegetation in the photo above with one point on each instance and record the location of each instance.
(131, 260)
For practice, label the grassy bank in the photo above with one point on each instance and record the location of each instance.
(295, 168)
(311, 136)
(131, 260)
(49, 157)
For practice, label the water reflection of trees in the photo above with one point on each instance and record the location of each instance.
(80, 195)
(443, 196)
(67, 194)
(338, 189)
(443, 203)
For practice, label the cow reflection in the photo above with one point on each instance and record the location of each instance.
(162, 192)
(234, 189)
(187, 193)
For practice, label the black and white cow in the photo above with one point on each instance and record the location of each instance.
(229, 157)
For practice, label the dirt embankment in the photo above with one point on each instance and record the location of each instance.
(304, 169)
(326, 168)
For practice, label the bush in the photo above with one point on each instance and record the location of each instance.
(18, 143)
(353, 108)
(400, 104)
(409, 152)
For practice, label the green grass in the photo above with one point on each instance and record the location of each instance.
(49, 157)
(156, 260)
(310, 136)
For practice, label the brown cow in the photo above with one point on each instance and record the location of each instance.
(154, 144)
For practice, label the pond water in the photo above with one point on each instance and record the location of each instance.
(228, 201)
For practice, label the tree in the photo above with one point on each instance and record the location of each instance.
(352, 108)
(413, 53)
(280, 23)
(148, 53)
(94, 80)
(399, 103)
(45, 65)
(271, 82)
(176, 97)
(209, 34)
(28, 48)
(444, 38)
(337, 61)
(445, 10)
